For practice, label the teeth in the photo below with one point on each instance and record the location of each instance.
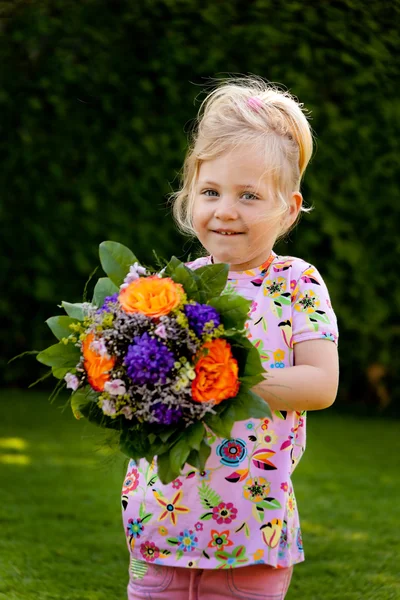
(227, 232)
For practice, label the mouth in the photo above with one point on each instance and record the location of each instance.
(227, 232)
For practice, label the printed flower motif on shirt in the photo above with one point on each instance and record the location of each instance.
(271, 532)
(308, 276)
(279, 357)
(260, 459)
(224, 513)
(270, 438)
(172, 507)
(291, 503)
(234, 559)
(135, 528)
(131, 482)
(307, 302)
(149, 551)
(299, 540)
(256, 489)
(219, 539)
(187, 540)
(264, 355)
(232, 452)
(275, 287)
(276, 290)
(283, 541)
(286, 331)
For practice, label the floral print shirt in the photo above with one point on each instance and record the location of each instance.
(241, 509)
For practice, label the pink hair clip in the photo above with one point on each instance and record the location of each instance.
(255, 103)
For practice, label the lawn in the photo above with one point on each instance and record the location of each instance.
(61, 534)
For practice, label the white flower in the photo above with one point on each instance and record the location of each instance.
(100, 348)
(108, 407)
(134, 273)
(161, 332)
(72, 381)
(115, 387)
(127, 411)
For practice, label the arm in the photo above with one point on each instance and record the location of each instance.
(310, 385)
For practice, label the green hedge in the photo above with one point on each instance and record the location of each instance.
(95, 102)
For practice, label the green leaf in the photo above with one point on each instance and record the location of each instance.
(179, 453)
(321, 316)
(179, 554)
(74, 310)
(142, 510)
(165, 435)
(103, 288)
(60, 326)
(80, 400)
(116, 260)
(147, 518)
(248, 357)
(166, 472)
(233, 309)
(181, 274)
(60, 355)
(206, 516)
(60, 372)
(220, 425)
(173, 541)
(204, 453)
(247, 405)
(194, 435)
(208, 497)
(212, 280)
(285, 300)
(198, 458)
(269, 504)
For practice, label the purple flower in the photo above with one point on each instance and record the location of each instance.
(148, 360)
(165, 415)
(108, 300)
(199, 315)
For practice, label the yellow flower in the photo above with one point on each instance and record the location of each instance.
(171, 507)
(256, 489)
(271, 532)
(162, 530)
(279, 355)
(275, 287)
(258, 554)
(308, 302)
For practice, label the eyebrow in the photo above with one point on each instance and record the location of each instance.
(242, 186)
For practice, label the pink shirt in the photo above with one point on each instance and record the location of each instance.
(242, 509)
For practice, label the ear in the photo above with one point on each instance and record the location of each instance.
(294, 208)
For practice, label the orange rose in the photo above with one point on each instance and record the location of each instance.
(152, 296)
(97, 367)
(216, 373)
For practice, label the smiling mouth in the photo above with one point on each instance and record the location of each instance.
(227, 232)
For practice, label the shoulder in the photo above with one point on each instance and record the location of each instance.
(295, 269)
(198, 262)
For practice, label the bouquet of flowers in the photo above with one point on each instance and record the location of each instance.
(158, 357)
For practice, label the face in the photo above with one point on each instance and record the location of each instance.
(235, 213)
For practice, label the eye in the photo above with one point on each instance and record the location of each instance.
(210, 193)
(249, 195)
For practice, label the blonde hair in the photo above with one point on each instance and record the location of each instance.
(248, 110)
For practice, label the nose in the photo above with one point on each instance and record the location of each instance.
(226, 208)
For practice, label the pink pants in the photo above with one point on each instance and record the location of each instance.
(256, 582)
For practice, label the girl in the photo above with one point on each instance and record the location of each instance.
(232, 531)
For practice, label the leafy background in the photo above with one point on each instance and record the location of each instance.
(96, 100)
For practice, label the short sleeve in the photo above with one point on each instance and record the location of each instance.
(312, 312)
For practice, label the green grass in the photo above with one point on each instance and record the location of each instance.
(61, 533)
